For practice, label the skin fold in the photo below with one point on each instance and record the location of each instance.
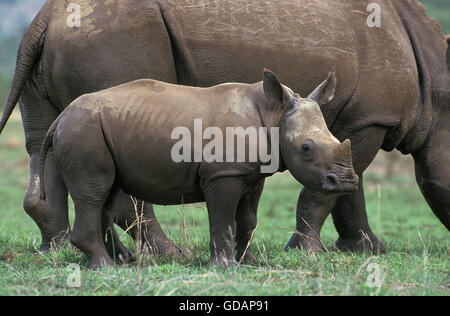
(393, 90)
(147, 112)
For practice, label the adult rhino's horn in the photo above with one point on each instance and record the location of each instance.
(344, 151)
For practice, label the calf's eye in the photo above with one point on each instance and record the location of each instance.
(308, 149)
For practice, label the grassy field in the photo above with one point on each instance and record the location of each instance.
(417, 262)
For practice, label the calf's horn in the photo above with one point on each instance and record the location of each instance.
(344, 151)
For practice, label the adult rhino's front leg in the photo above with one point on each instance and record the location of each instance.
(312, 210)
(349, 212)
(350, 220)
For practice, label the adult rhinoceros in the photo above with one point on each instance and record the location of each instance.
(394, 90)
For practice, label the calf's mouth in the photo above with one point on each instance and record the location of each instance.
(341, 182)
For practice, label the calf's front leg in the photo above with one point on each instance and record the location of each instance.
(246, 222)
(222, 199)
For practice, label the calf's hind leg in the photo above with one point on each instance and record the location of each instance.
(89, 173)
(87, 231)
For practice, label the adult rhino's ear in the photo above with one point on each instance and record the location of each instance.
(324, 93)
(272, 87)
(448, 52)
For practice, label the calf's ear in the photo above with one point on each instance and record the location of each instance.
(272, 87)
(324, 93)
(448, 52)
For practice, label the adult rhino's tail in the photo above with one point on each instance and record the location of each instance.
(29, 52)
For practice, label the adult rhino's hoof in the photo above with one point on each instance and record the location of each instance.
(171, 251)
(365, 244)
(305, 243)
(54, 244)
(248, 258)
(100, 263)
(178, 253)
(223, 263)
(125, 257)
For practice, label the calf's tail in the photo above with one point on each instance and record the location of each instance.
(48, 141)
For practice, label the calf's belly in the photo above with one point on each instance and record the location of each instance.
(172, 184)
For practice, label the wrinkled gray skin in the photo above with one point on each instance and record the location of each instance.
(393, 91)
(130, 146)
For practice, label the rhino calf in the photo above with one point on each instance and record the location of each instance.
(126, 142)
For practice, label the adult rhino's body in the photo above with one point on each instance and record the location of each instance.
(393, 91)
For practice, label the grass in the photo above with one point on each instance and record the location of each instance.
(417, 262)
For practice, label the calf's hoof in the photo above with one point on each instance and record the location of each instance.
(364, 244)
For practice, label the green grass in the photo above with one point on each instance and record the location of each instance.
(417, 262)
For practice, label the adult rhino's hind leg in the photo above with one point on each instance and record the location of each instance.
(140, 222)
(50, 215)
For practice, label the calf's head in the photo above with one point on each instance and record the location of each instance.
(309, 150)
